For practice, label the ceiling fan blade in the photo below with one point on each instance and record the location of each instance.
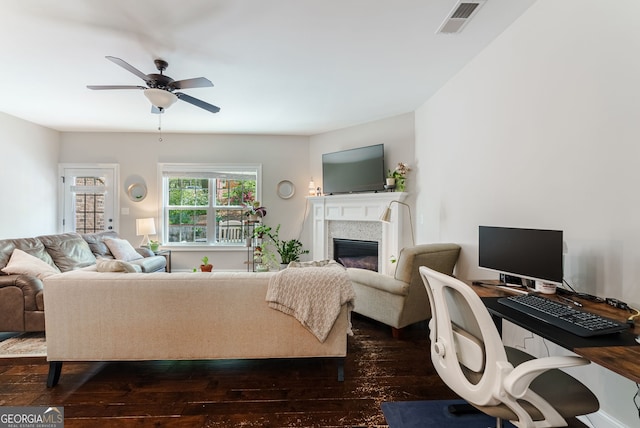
(198, 103)
(197, 82)
(128, 67)
(101, 87)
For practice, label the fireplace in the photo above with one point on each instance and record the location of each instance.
(356, 253)
(357, 217)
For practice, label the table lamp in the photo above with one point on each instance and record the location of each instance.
(145, 227)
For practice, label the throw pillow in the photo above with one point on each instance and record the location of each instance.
(109, 265)
(122, 250)
(22, 263)
(96, 242)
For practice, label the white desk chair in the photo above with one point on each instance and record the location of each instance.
(506, 383)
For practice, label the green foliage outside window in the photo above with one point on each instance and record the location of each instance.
(193, 201)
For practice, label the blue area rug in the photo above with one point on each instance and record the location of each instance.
(433, 414)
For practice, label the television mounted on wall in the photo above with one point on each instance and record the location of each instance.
(354, 170)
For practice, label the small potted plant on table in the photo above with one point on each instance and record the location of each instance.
(206, 266)
(154, 245)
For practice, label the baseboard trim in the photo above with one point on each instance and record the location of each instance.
(601, 419)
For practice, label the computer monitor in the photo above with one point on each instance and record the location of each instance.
(527, 253)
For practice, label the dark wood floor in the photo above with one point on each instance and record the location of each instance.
(255, 393)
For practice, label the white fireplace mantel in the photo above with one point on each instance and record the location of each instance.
(359, 207)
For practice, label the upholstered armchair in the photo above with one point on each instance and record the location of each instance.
(401, 300)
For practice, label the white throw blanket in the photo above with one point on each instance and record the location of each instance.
(313, 293)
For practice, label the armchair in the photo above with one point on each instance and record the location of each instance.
(401, 300)
(506, 383)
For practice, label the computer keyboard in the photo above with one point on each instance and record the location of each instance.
(563, 316)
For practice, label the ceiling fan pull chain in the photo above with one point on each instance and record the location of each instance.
(160, 127)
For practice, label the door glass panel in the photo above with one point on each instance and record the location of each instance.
(89, 203)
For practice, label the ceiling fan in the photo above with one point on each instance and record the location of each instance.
(160, 88)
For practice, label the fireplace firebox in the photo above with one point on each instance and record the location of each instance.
(356, 253)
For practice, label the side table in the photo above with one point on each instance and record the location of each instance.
(167, 255)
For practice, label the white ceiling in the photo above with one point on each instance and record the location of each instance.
(279, 66)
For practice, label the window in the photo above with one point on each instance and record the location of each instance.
(204, 204)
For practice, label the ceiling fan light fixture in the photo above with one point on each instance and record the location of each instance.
(160, 98)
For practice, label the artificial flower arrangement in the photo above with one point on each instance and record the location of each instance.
(399, 174)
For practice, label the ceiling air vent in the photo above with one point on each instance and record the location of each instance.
(459, 16)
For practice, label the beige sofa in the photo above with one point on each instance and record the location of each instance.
(104, 316)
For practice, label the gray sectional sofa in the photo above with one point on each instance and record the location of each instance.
(21, 295)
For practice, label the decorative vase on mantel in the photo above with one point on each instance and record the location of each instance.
(391, 181)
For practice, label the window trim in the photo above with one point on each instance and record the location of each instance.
(205, 169)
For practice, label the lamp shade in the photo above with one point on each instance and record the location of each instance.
(386, 214)
(386, 217)
(145, 226)
(160, 98)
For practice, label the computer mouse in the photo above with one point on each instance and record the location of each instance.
(638, 339)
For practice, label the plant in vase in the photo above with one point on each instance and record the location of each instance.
(261, 230)
(289, 250)
(154, 245)
(206, 266)
(263, 258)
(398, 176)
(255, 212)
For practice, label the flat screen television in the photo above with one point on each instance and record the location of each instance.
(527, 253)
(354, 170)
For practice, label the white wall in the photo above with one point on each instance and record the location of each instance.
(397, 135)
(139, 154)
(29, 183)
(542, 130)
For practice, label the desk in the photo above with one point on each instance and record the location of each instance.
(619, 353)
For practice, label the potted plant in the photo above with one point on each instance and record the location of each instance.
(255, 212)
(263, 258)
(390, 181)
(154, 245)
(261, 230)
(206, 266)
(289, 250)
(397, 176)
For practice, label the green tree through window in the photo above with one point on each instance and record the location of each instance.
(208, 210)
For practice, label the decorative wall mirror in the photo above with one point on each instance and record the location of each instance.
(137, 191)
(286, 189)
